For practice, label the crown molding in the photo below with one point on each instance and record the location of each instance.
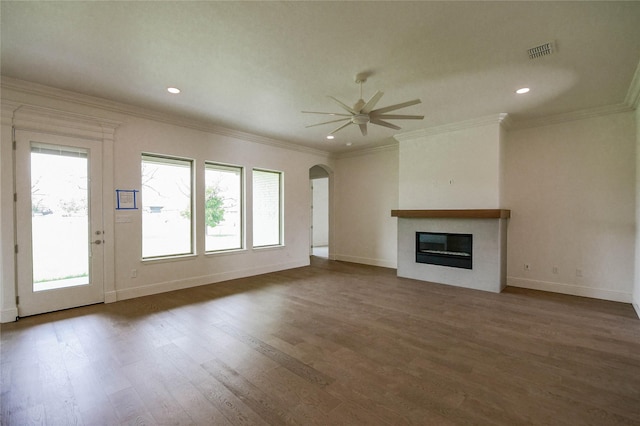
(7, 108)
(571, 116)
(633, 94)
(27, 87)
(500, 119)
(367, 151)
(49, 120)
(506, 121)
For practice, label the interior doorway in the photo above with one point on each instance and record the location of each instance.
(319, 233)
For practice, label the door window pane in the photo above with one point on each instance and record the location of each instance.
(166, 206)
(59, 216)
(223, 207)
(267, 216)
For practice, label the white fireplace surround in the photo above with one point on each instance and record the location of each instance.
(458, 166)
(489, 248)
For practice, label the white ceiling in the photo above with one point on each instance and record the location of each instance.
(253, 66)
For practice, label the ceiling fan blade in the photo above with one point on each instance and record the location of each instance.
(346, 107)
(398, 116)
(327, 122)
(363, 129)
(396, 106)
(368, 107)
(341, 127)
(379, 122)
(326, 113)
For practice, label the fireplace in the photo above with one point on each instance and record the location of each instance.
(445, 249)
(487, 228)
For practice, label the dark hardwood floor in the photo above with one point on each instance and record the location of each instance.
(330, 344)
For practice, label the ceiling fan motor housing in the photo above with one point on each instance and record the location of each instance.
(360, 119)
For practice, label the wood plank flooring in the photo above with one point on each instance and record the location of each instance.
(330, 344)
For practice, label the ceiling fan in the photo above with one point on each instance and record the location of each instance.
(362, 112)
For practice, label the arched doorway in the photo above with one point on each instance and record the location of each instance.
(320, 181)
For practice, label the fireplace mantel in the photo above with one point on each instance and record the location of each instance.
(462, 214)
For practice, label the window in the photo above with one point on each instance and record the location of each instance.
(166, 206)
(267, 202)
(223, 207)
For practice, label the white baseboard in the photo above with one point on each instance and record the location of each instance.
(110, 297)
(574, 290)
(163, 287)
(636, 306)
(366, 261)
(8, 315)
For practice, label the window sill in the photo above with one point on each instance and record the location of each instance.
(264, 248)
(229, 252)
(164, 259)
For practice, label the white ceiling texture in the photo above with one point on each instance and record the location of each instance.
(254, 66)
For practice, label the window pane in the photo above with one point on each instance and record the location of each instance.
(223, 207)
(266, 208)
(166, 206)
(59, 216)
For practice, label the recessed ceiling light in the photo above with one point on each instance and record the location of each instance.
(330, 137)
(173, 90)
(348, 144)
(522, 90)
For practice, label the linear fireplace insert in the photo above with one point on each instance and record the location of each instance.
(438, 248)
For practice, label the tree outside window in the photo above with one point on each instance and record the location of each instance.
(166, 190)
(223, 207)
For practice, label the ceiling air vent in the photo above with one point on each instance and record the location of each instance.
(539, 51)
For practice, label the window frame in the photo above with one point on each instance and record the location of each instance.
(241, 169)
(280, 174)
(176, 160)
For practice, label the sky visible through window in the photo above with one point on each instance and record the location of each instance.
(166, 207)
(59, 218)
(266, 208)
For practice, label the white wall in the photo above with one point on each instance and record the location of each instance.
(136, 135)
(453, 167)
(571, 190)
(366, 190)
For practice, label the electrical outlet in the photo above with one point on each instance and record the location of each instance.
(527, 267)
(554, 269)
(579, 273)
(134, 273)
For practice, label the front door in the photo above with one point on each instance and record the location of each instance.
(58, 222)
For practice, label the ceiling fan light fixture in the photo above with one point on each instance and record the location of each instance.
(360, 119)
(363, 112)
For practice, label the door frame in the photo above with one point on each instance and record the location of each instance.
(31, 302)
(315, 172)
(17, 115)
